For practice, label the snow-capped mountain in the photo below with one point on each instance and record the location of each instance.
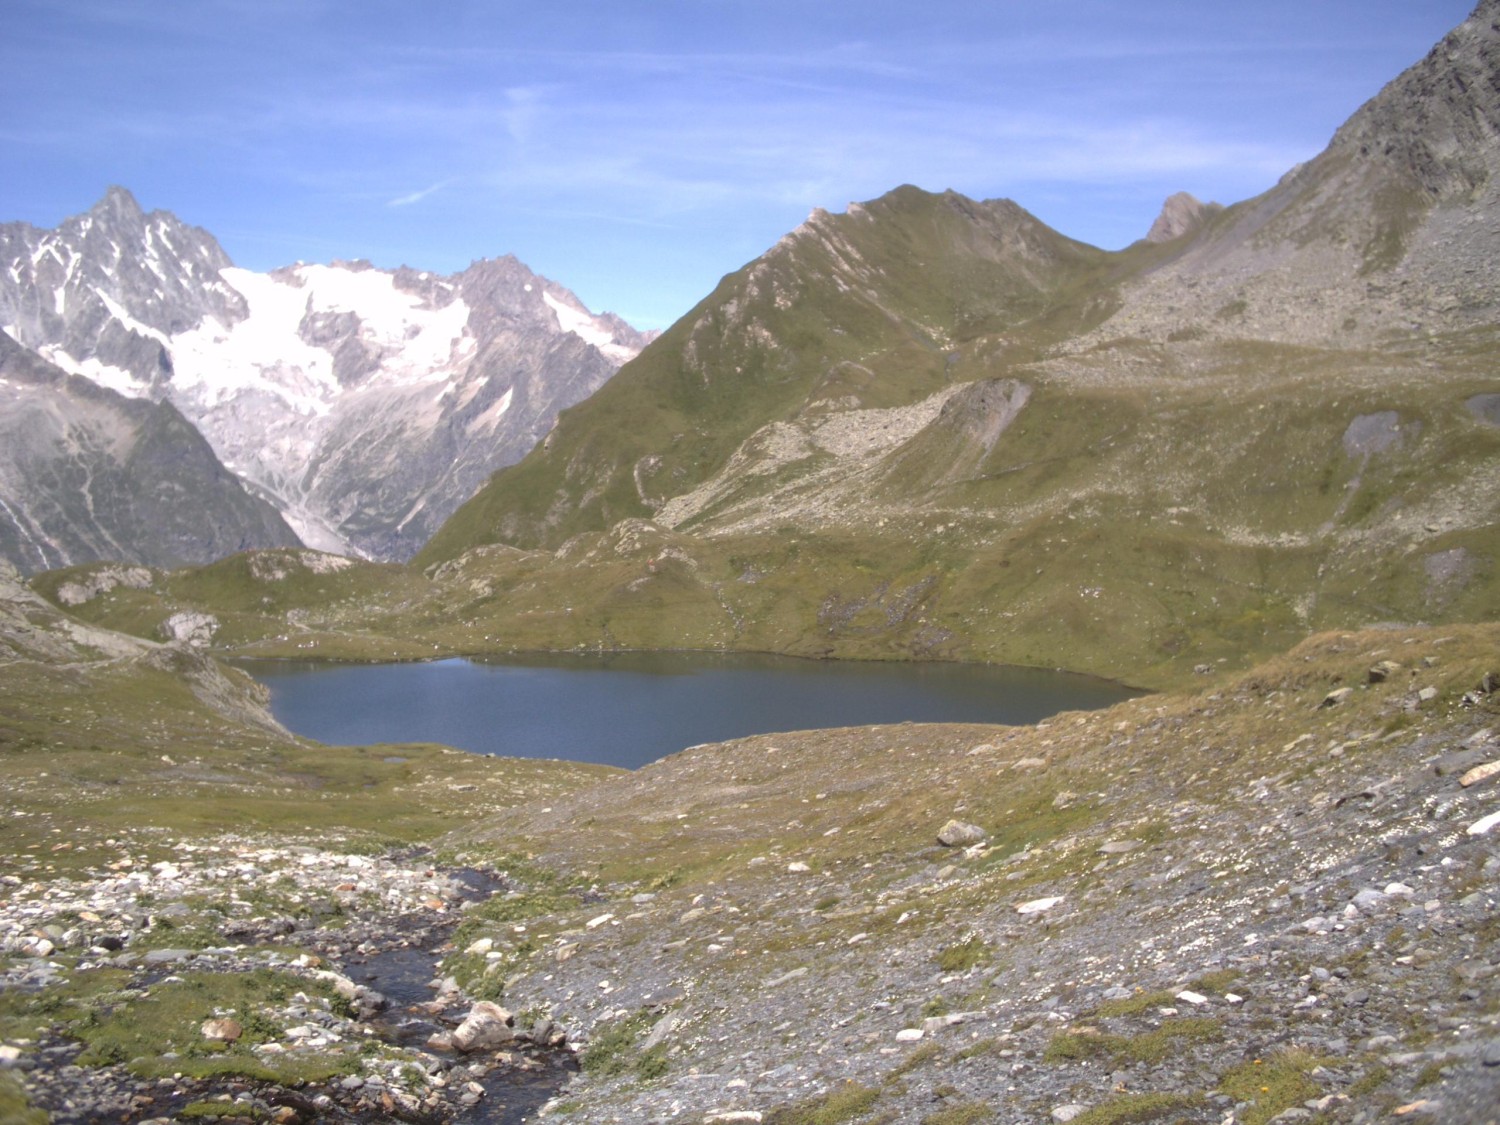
(365, 404)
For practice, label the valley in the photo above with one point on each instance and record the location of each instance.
(1249, 464)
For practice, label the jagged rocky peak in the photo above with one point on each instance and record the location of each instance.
(1180, 214)
(1438, 122)
(118, 204)
(510, 294)
(109, 284)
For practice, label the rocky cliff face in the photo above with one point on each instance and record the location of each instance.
(1389, 231)
(365, 404)
(88, 474)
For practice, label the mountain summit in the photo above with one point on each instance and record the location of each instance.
(1381, 234)
(1180, 214)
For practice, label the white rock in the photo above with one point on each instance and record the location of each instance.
(194, 629)
(1484, 824)
(909, 1034)
(595, 923)
(798, 868)
(960, 833)
(1189, 997)
(483, 945)
(1037, 905)
(1398, 889)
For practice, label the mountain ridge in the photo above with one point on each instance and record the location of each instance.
(364, 403)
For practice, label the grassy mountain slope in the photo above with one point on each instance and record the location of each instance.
(102, 733)
(861, 309)
(932, 427)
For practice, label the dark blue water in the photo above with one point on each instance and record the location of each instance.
(632, 708)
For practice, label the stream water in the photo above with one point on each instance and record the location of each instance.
(403, 969)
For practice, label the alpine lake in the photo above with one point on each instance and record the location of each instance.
(629, 709)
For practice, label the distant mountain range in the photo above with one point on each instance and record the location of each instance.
(362, 404)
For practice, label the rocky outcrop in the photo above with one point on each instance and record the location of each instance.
(1180, 214)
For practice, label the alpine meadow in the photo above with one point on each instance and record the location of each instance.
(1248, 464)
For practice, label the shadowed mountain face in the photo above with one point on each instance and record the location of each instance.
(88, 474)
(364, 404)
(1052, 443)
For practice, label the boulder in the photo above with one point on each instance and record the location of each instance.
(195, 630)
(487, 1026)
(222, 1030)
(960, 834)
(1480, 773)
(1039, 905)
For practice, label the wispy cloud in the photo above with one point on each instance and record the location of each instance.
(417, 196)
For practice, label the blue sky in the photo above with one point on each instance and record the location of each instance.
(636, 151)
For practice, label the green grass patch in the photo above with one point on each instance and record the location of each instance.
(963, 956)
(1269, 1086)
(1132, 1005)
(846, 1103)
(158, 1032)
(979, 1048)
(1132, 1109)
(78, 998)
(961, 1113)
(214, 1111)
(924, 1055)
(16, 1107)
(613, 1051)
(1151, 1046)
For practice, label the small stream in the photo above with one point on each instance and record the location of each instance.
(405, 972)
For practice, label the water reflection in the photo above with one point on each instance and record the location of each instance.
(627, 709)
